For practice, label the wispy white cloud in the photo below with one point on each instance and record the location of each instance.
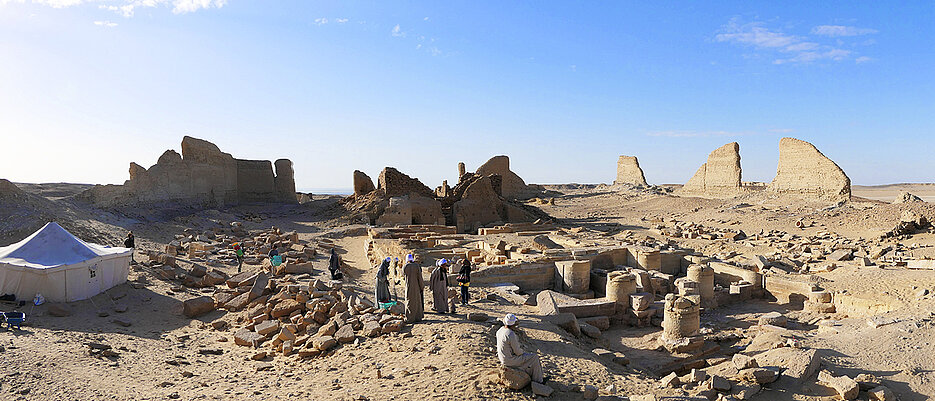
(841, 30)
(105, 23)
(862, 59)
(398, 32)
(810, 56)
(787, 48)
(127, 8)
(341, 20)
(754, 34)
(705, 134)
(321, 21)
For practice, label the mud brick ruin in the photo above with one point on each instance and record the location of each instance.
(479, 199)
(202, 174)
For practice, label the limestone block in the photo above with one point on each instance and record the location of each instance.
(197, 306)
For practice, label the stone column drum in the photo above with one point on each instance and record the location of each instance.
(620, 285)
(576, 275)
(681, 318)
(704, 276)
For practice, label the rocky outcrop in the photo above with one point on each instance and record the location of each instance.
(512, 187)
(629, 171)
(362, 183)
(805, 172)
(906, 197)
(202, 174)
(719, 177)
(10, 190)
(394, 183)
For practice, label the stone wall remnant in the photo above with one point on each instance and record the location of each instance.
(395, 183)
(719, 177)
(202, 174)
(805, 172)
(362, 183)
(512, 186)
(629, 171)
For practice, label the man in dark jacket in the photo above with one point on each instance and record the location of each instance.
(130, 242)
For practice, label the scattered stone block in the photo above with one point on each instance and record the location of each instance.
(671, 380)
(589, 330)
(758, 375)
(247, 338)
(541, 389)
(513, 379)
(267, 327)
(741, 362)
(846, 387)
(773, 319)
(566, 321)
(881, 393)
(477, 316)
(589, 392)
(197, 306)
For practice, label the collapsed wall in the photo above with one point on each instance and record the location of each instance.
(804, 171)
(201, 174)
(719, 177)
(512, 187)
(479, 199)
(629, 171)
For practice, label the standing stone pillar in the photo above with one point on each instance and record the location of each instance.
(620, 285)
(576, 275)
(461, 170)
(704, 276)
(681, 324)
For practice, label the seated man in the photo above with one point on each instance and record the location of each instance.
(511, 353)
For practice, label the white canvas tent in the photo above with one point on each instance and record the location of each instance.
(59, 266)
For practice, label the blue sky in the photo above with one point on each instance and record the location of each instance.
(563, 88)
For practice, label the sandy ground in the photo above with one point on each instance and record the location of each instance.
(163, 355)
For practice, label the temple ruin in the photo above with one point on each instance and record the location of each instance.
(477, 200)
(804, 171)
(512, 187)
(719, 177)
(629, 172)
(202, 174)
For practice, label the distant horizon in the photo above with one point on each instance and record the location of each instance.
(561, 88)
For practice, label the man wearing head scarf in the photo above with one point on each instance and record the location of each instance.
(511, 353)
(438, 282)
(382, 291)
(415, 302)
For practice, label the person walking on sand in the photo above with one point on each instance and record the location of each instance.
(382, 287)
(511, 353)
(130, 242)
(464, 280)
(438, 282)
(415, 301)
